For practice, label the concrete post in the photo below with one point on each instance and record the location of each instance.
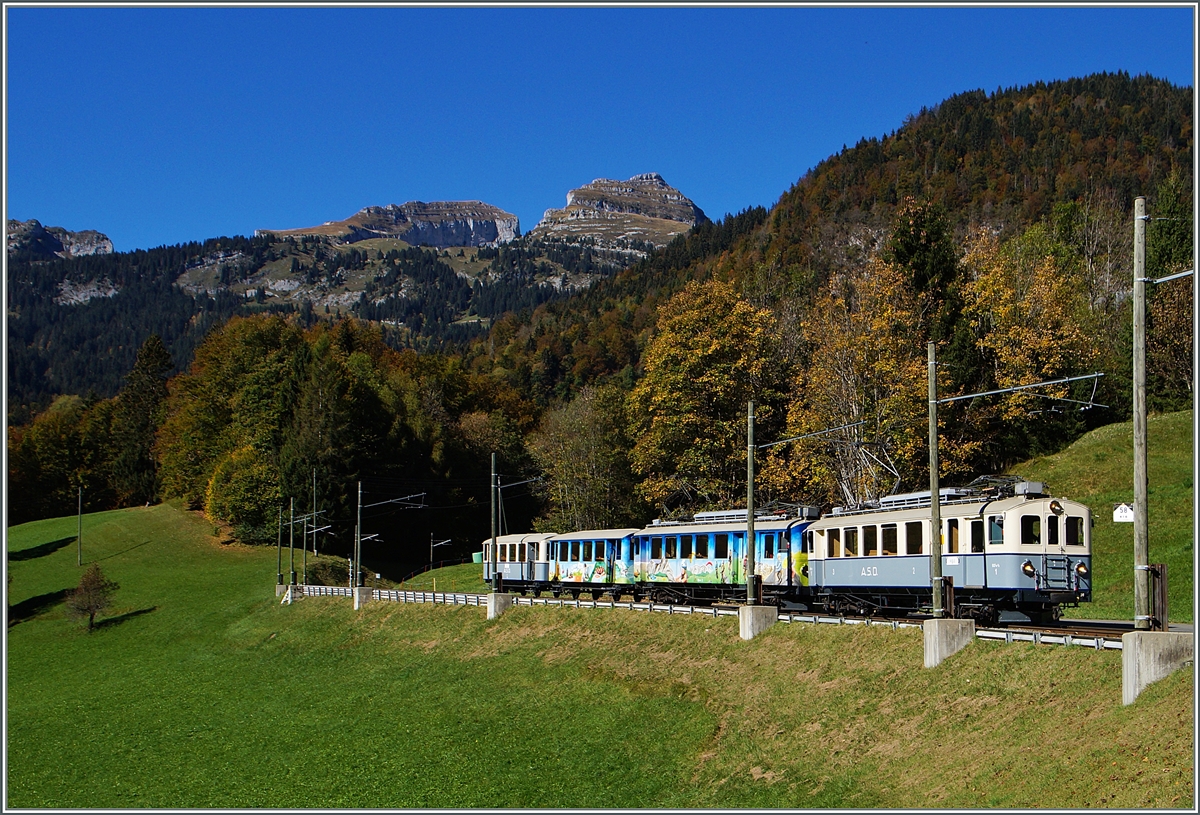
(1148, 656)
(497, 604)
(280, 589)
(362, 596)
(945, 637)
(753, 620)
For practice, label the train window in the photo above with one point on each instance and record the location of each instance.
(851, 541)
(655, 547)
(1031, 530)
(914, 531)
(870, 541)
(952, 535)
(835, 543)
(888, 534)
(601, 550)
(575, 550)
(685, 545)
(1074, 531)
(1052, 530)
(806, 543)
(671, 546)
(976, 536)
(702, 546)
(587, 550)
(769, 545)
(996, 530)
(721, 549)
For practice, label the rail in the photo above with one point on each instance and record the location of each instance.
(1099, 642)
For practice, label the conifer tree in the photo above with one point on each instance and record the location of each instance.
(92, 596)
(140, 411)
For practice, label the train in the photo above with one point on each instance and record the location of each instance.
(1008, 548)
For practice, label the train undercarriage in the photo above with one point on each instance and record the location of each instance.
(985, 609)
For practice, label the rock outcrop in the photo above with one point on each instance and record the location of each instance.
(621, 214)
(440, 224)
(54, 241)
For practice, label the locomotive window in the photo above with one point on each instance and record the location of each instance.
(996, 530)
(913, 532)
(1074, 531)
(702, 546)
(870, 541)
(952, 534)
(587, 550)
(575, 550)
(835, 543)
(888, 533)
(685, 545)
(851, 541)
(671, 549)
(601, 550)
(722, 546)
(1031, 530)
(976, 536)
(769, 545)
(1052, 530)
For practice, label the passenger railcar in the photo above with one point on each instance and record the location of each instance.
(1025, 552)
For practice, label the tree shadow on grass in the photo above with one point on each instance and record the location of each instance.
(123, 551)
(120, 618)
(41, 550)
(28, 609)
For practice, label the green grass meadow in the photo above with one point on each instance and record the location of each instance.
(200, 690)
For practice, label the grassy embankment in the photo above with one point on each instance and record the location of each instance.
(1098, 470)
(200, 690)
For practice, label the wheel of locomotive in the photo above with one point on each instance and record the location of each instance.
(537, 592)
(597, 594)
(556, 592)
(575, 594)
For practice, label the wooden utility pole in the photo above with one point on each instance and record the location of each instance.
(1141, 525)
(493, 558)
(279, 550)
(751, 597)
(354, 578)
(935, 502)
(292, 542)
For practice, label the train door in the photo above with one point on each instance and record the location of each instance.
(953, 565)
(975, 568)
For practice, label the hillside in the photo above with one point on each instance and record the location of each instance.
(217, 696)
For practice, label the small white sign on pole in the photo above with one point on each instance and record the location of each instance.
(1123, 513)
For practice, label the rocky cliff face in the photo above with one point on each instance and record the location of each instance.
(54, 241)
(620, 214)
(440, 224)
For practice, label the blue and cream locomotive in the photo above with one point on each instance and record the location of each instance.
(1005, 549)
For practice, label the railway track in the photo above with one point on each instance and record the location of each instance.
(1097, 634)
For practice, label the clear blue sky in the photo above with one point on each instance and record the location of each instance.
(162, 125)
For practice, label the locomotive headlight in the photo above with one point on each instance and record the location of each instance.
(1081, 569)
(1028, 569)
(1056, 508)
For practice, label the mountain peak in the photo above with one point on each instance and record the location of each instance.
(644, 208)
